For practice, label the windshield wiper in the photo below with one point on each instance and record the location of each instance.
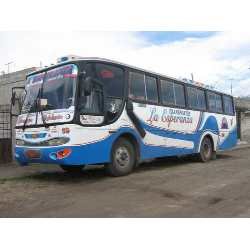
(40, 108)
(26, 119)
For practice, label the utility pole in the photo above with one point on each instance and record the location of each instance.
(8, 65)
(231, 85)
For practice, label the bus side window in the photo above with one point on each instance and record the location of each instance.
(228, 105)
(172, 93)
(167, 92)
(151, 89)
(196, 98)
(214, 102)
(137, 86)
(179, 95)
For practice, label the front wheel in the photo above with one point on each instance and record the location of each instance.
(123, 158)
(206, 150)
(72, 169)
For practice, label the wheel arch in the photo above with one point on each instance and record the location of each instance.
(212, 137)
(134, 141)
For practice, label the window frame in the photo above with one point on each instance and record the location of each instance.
(184, 94)
(94, 65)
(145, 74)
(125, 70)
(157, 89)
(205, 95)
(174, 82)
(130, 86)
(168, 81)
(223, 104)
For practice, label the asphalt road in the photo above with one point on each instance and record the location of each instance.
(166, 188)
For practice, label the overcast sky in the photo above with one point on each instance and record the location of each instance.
(213, 57)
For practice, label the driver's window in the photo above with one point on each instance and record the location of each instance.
(113, 79)
(93, 103)
(111, 76)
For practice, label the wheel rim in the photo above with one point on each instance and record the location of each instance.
(206, 150)
(122, 157)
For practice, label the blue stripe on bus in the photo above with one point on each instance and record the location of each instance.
(230, 141)
(210, 125)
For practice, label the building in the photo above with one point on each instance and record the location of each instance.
(8, 81)
(7, 122)
(243, 118)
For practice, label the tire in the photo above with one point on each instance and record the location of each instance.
(206, 150)
(214, 156)
(72, 169)
(123, 158)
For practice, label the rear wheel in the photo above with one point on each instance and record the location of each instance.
(206, 150)
(123, 158)
(72, 169)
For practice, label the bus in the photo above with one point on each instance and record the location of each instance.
(90, 111)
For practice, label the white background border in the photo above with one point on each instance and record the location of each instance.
(124, 233)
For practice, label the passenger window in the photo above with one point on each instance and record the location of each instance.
(167, 92)
(137, 86)
(214, 102)
(151, 89)
(179, 95)
(172, 93)
(228, 105)
(196, 98)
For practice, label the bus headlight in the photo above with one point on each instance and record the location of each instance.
(57, 141)
(20, 142)
(52, 142)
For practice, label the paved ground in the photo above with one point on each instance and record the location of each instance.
(166, 188)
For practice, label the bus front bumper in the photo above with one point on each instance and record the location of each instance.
(61, 155)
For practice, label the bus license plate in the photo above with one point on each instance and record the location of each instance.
(33, 154)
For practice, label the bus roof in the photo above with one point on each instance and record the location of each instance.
(100, 59)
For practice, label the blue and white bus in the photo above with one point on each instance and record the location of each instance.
(97, 111)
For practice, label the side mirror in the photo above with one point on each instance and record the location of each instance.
(17, 98)
(88, 86)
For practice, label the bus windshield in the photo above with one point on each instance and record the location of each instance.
(33, 84)
(57, 86)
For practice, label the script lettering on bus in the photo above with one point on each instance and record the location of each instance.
(169, 116)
